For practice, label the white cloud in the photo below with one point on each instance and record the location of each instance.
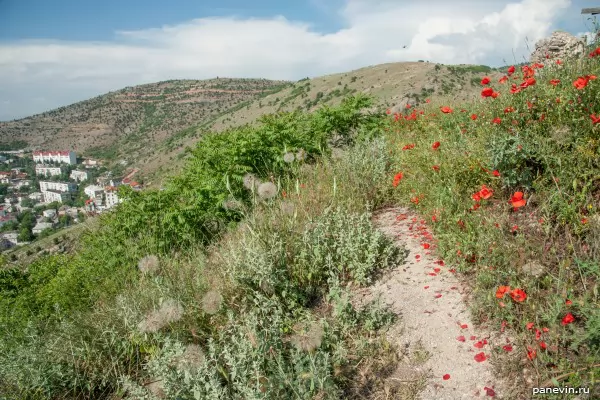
(375, 32)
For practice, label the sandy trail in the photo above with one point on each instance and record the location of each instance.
(430, 301)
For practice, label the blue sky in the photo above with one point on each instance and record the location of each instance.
(56, 52)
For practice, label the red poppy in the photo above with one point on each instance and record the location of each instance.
(476, 196)
(480, 357)
(568, 302)
(515, 89)
(461, 339)
(496, 173)
(464, 326)
(397, 178)
(538, 334)
(388, 112)
(517, 200)
(595, 119)
(436, 167)
(543, 345)
(485, 81)
(409, 146)
(580, 82)
(528, 72)
(567, 319)
(485, 192)
(507, 348)
(435, 145)
(554, 82)
(427, 101)
(511, 70)
(426, 246)
(489, 391)
(446, 110)
(480, 344)
(518, 295)
(502, 290)
(509, 110)
(529, 325)
(473, 117)
(503, 79)
(496, 120)
(495, 94)
(487, 92)
(446, 377)
(530, 353)
(528, 82)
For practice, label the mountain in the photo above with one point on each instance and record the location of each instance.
(149, 126)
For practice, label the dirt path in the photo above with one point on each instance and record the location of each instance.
(430, 301)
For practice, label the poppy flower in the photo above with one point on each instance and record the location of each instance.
(446, 377)
(436, 168)
(568, 302)
(496, 121)
(476, 196)
(543, 345)
(480, 357)
(485, 80)
(446, 110)
(531, 353)
(508, 348)
(473, 117)
(480, 344)
(487, 92)
(529, 326)
(435, 145)
(509, 110)
(515, 89)
(397, 178)
(538, 334)
(518, 295)
(503, 79)
(461, 338)
(502, 290)
(489, 391)
(409, 146)
(511, 70)
(426, 246)
(580, 83)
(554, 82)
(485, 192)
(567, 319)
(496, 173)
(517, 200)
(495, 94)
(464, 326)
(388, 112)
(595, 119)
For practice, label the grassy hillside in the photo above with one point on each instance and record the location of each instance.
(390, 85)
(236, 280)
(131, 123)
(150, 126)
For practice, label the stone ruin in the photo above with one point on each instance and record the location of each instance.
(561, 45)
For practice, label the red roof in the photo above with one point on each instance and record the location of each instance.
(51, 153)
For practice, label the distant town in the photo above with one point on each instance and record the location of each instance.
(44, 191)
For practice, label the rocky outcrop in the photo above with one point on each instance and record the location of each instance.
(561, 45)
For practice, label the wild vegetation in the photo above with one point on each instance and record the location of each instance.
(235, 280)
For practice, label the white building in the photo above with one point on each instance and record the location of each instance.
(60, 186)
(50, 196)
(41, 226)
(92, 191)
(49, 213)
(57, 191)
(111, 196)
(47, 170)
(79, 176)
(67, 157)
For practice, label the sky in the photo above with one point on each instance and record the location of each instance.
(54, 53)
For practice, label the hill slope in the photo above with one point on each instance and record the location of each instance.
(119, 123)
(149, 126)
